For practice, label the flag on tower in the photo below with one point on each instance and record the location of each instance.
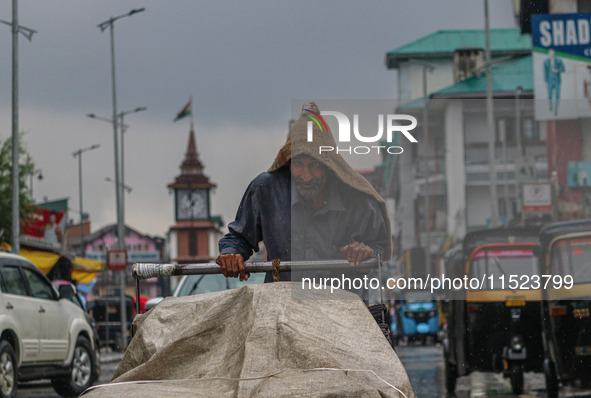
(186, 111)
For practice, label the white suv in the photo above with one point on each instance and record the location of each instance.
(42, 335)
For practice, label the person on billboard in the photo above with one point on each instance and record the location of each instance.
(52, 231)
(581, 176)
(553, 68)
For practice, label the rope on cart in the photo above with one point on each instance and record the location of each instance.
(244, 378)
(276, 276)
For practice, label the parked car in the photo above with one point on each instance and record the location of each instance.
(197, 284)
(42, 333)
(69, 291)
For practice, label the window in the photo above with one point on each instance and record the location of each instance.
(39, 286)
(507, 208)
(507, 129)
(530, 130)
(12, 281)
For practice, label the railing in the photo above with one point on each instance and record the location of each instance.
(478, 153)
(432, 165)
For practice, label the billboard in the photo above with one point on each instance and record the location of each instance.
(578, 174)
(562, 65)
(44, 227)
(537, 197)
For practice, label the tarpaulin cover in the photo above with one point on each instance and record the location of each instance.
(257, 341)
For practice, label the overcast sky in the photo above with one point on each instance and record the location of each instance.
(243, 63)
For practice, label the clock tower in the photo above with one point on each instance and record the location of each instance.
(191, 236)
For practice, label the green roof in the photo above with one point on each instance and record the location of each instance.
(505, 78)
(418, 103)
(446, 42)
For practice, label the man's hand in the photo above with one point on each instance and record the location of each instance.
(356, 252)
(232, 266)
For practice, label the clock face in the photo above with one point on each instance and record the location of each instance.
(191, 204)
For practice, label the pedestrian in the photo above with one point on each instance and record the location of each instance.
(307, 206)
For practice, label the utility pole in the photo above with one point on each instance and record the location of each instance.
(110, 24)
(28, 33)
(494, 213)
(427, 198)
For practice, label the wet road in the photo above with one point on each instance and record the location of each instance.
(43, 389)
(424, 365)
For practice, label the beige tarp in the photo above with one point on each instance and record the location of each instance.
(257, 341)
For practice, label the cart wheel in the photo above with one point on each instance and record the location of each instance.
(551, 378)
(516, 373)
(451, 377)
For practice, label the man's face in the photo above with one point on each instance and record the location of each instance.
(309, 175)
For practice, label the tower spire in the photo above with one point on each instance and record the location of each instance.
(191, 168)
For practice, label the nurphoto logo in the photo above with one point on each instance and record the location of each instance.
(344, 132)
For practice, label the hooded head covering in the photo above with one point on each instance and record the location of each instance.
(297, 144)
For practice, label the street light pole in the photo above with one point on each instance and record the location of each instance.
(430, 68)
(123, 128)
(15, 144)
(494, 214)
(36, 172)
(121, 122)
(110, 23)
(28, 33)
(79, 153)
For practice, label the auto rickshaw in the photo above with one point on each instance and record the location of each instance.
(565, 251)
(495, 325)
(418, 316)
(106, 312)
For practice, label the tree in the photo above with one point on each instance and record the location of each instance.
(26, 167)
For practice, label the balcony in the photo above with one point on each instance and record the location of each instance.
(478, 153)
(435, 167)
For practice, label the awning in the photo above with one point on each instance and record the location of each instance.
(43, 260)
(84, 270)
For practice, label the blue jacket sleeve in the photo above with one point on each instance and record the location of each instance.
(245, 231)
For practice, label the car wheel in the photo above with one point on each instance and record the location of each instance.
(82, 370)
(8, 372)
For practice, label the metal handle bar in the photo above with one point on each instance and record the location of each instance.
(145, 271)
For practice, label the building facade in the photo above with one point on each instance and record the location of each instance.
(193, 237)
(442, 185)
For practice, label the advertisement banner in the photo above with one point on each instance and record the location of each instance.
(537, 197)
(45, 225)
(578, 174)
(562, 65)
(117, 259)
